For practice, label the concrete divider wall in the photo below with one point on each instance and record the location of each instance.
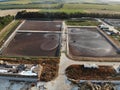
(108, 39)
(19, 78)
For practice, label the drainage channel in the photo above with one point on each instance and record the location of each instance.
(25, 79)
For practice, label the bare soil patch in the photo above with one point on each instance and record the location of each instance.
(79, 72)
(50, 70)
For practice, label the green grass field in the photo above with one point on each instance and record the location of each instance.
(53, 6)
(82, 22)
(62, 10)
(110, 7)
(89, 8)
(8, 30)
(27, 1)
(28, 6)
(16, 2)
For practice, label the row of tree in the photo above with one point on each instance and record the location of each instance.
(5, 20)
(63, 15)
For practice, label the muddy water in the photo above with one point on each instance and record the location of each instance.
(85, 42)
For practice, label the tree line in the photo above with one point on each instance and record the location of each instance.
(63, 15)
(5, 20)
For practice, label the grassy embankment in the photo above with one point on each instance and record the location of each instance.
(7, 31)
(82, 22)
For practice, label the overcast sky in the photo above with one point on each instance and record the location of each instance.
(113, 0)
(110, 0)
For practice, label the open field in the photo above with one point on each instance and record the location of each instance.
(89, 8)
(41, 25)
(53, 1)
(63, 10)
(29, 6)
(79, 72)
(13, 12)
(15, 2)
(89, 42)
(102, 11)
(56, 6)
(25, 1)
(40, 45)
(113, 7)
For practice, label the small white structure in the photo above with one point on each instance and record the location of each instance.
(103, 27)
(90, 66)
(3, 71)
(28, 73)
